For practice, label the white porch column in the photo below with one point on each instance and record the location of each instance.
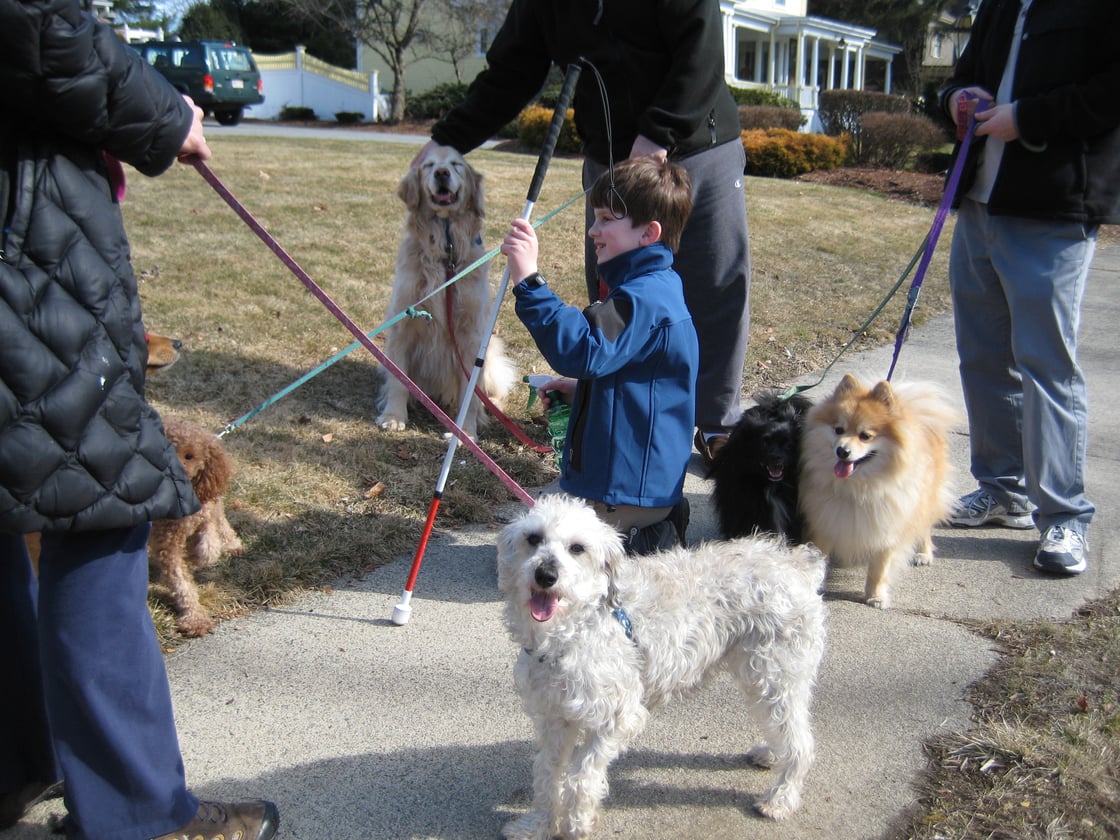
(799, 64)
(815, 72)
(844, 69)
(771, 64)
(730, 48)
(861, 58)
(830, 84)
(887, 76)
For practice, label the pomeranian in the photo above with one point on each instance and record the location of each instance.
(874, 477)
(755, 472)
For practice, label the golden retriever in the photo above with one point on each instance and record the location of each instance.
(442, 235)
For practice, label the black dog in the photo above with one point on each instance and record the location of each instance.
(755, 472)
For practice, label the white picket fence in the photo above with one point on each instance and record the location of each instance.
(299, 80)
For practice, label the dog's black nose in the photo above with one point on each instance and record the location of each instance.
(545, 575)
(843, 453)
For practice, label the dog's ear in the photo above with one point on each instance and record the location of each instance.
(475, 203)
(848, 385)
(613, 545)
(884, 394)
(213, 480)
(408, 190)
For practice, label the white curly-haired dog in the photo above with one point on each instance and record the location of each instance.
(605, 638)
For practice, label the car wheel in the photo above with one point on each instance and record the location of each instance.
(228, 117)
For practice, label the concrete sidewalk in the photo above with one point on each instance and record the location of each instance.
(359, 729)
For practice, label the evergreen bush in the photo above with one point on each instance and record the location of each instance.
(781, 153)
(532, 128)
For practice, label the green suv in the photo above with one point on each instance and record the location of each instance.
(220, 77)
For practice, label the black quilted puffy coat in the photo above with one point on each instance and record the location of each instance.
(80, 448)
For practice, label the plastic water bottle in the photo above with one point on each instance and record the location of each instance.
(557, 413)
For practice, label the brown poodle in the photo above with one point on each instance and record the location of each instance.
(200, 539)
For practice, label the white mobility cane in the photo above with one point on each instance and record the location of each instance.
(403, 610)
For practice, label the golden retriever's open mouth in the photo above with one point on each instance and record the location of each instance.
(444, 197)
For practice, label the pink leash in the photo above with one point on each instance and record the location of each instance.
(347, 322)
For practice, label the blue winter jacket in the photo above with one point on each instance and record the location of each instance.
(636, 356)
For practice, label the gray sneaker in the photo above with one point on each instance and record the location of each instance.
(981, 508)
(1061, 552)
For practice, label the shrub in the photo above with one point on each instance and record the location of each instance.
(293, 113)
(349, 117)
(433, 104)
(841, 111)
(933, 163)
(893, 140)
(781, 153)
(532, 128)
(769, 116)
(754, 96)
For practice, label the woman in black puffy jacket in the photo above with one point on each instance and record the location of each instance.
(83, 457)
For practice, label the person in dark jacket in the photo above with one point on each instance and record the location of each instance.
(1040, 77)
(662, 67)
(83, 457)
(633, 356)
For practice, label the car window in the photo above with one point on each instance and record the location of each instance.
(186, 56)
(233, 60)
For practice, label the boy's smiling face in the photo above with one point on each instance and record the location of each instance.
(614, 236)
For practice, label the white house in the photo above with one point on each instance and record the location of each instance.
(774, 45)
(769, 44)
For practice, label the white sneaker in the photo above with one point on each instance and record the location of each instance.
(981, 508)
(1061, 552)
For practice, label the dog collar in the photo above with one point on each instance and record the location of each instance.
(623, 619)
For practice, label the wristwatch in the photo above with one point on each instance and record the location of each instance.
(535, 280)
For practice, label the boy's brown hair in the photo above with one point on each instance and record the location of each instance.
(647, 190)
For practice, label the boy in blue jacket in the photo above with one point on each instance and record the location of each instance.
(630, 360)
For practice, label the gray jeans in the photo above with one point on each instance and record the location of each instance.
(1017, 286)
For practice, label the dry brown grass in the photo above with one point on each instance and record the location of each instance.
(302, 498)
(1043, 761)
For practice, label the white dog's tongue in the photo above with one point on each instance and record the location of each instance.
(543, 605)
(844, 468)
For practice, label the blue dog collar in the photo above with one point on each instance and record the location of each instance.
(623, 619)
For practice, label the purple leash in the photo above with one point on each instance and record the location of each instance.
(365, 340)
(931, 243)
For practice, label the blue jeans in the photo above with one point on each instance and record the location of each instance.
(81, 647)
(1017, 286)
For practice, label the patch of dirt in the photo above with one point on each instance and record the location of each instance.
(912, 187)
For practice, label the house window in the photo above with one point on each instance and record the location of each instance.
(936, 46)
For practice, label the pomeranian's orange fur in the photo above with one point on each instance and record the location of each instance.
(874, 477)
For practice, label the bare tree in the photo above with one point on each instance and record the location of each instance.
(391, 28)
(464, 28)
